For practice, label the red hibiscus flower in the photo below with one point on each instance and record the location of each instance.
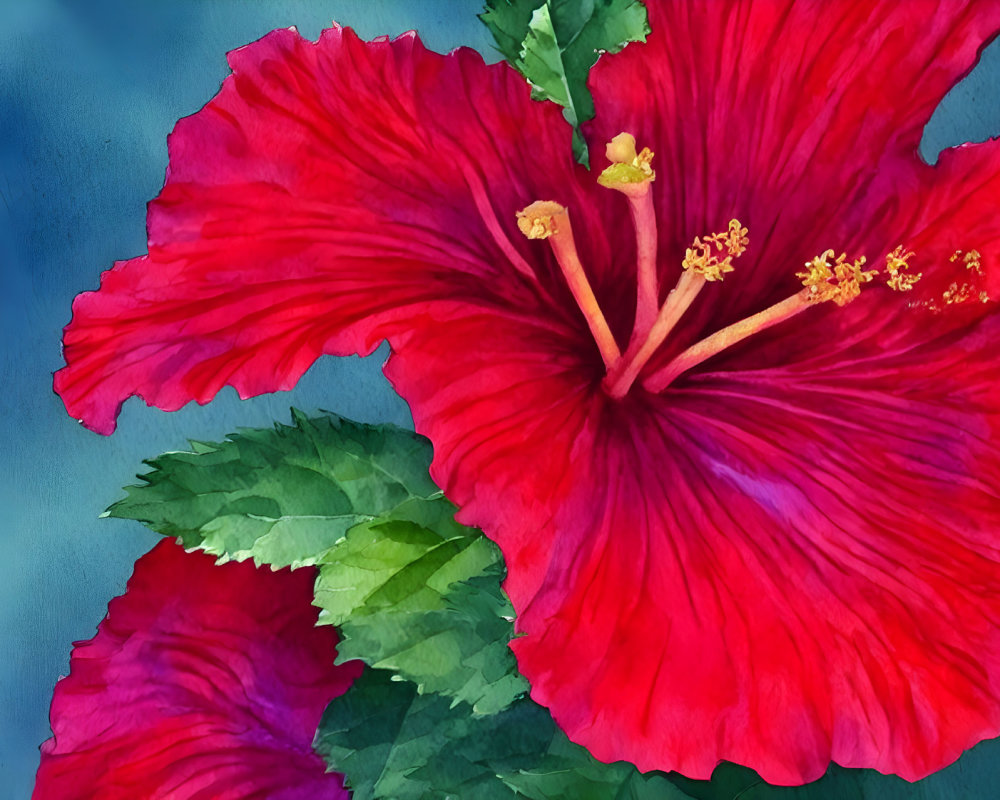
(166, 701)
(754, 519)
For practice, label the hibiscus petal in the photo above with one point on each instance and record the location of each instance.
(789, 115)
(776, 570)
(936, 211)
(203, 682)
(329, 189)
(805, 525)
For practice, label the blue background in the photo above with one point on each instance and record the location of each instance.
(88, 92)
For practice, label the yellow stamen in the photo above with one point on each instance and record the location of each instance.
(840, 281)
(695, 275)
(963, 293)
(545, 219)
(972, 260)
(538, 221)
(701, 259)
(736, 239)
(727, 337)
(897, 264)
(960, 291)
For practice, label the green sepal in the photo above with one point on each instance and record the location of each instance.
(555, 43)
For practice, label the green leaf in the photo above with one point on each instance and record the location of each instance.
(393, 742)
(508, 21)
(283, 496)
(728, 781)
(426, 603)
(568, 770)
(555, 43)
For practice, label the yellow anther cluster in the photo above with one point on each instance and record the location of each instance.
(703, 256)
(963, 293)
(735, 240)
(973, 260)
(628, 167)
(643, 162)
(960, 292)
(897, 264)
(538, 221)
(839, 281)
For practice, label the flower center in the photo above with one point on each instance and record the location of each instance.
(827, 277)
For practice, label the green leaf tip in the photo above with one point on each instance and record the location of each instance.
(555, 43)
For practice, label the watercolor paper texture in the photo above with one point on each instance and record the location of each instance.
(83, 148)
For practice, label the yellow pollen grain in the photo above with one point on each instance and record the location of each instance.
(972, 259)
(839, 281)
(897, 264)
(958, 293)
(736, 239)
(644, 162)
(537, 221)
(703, 256)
